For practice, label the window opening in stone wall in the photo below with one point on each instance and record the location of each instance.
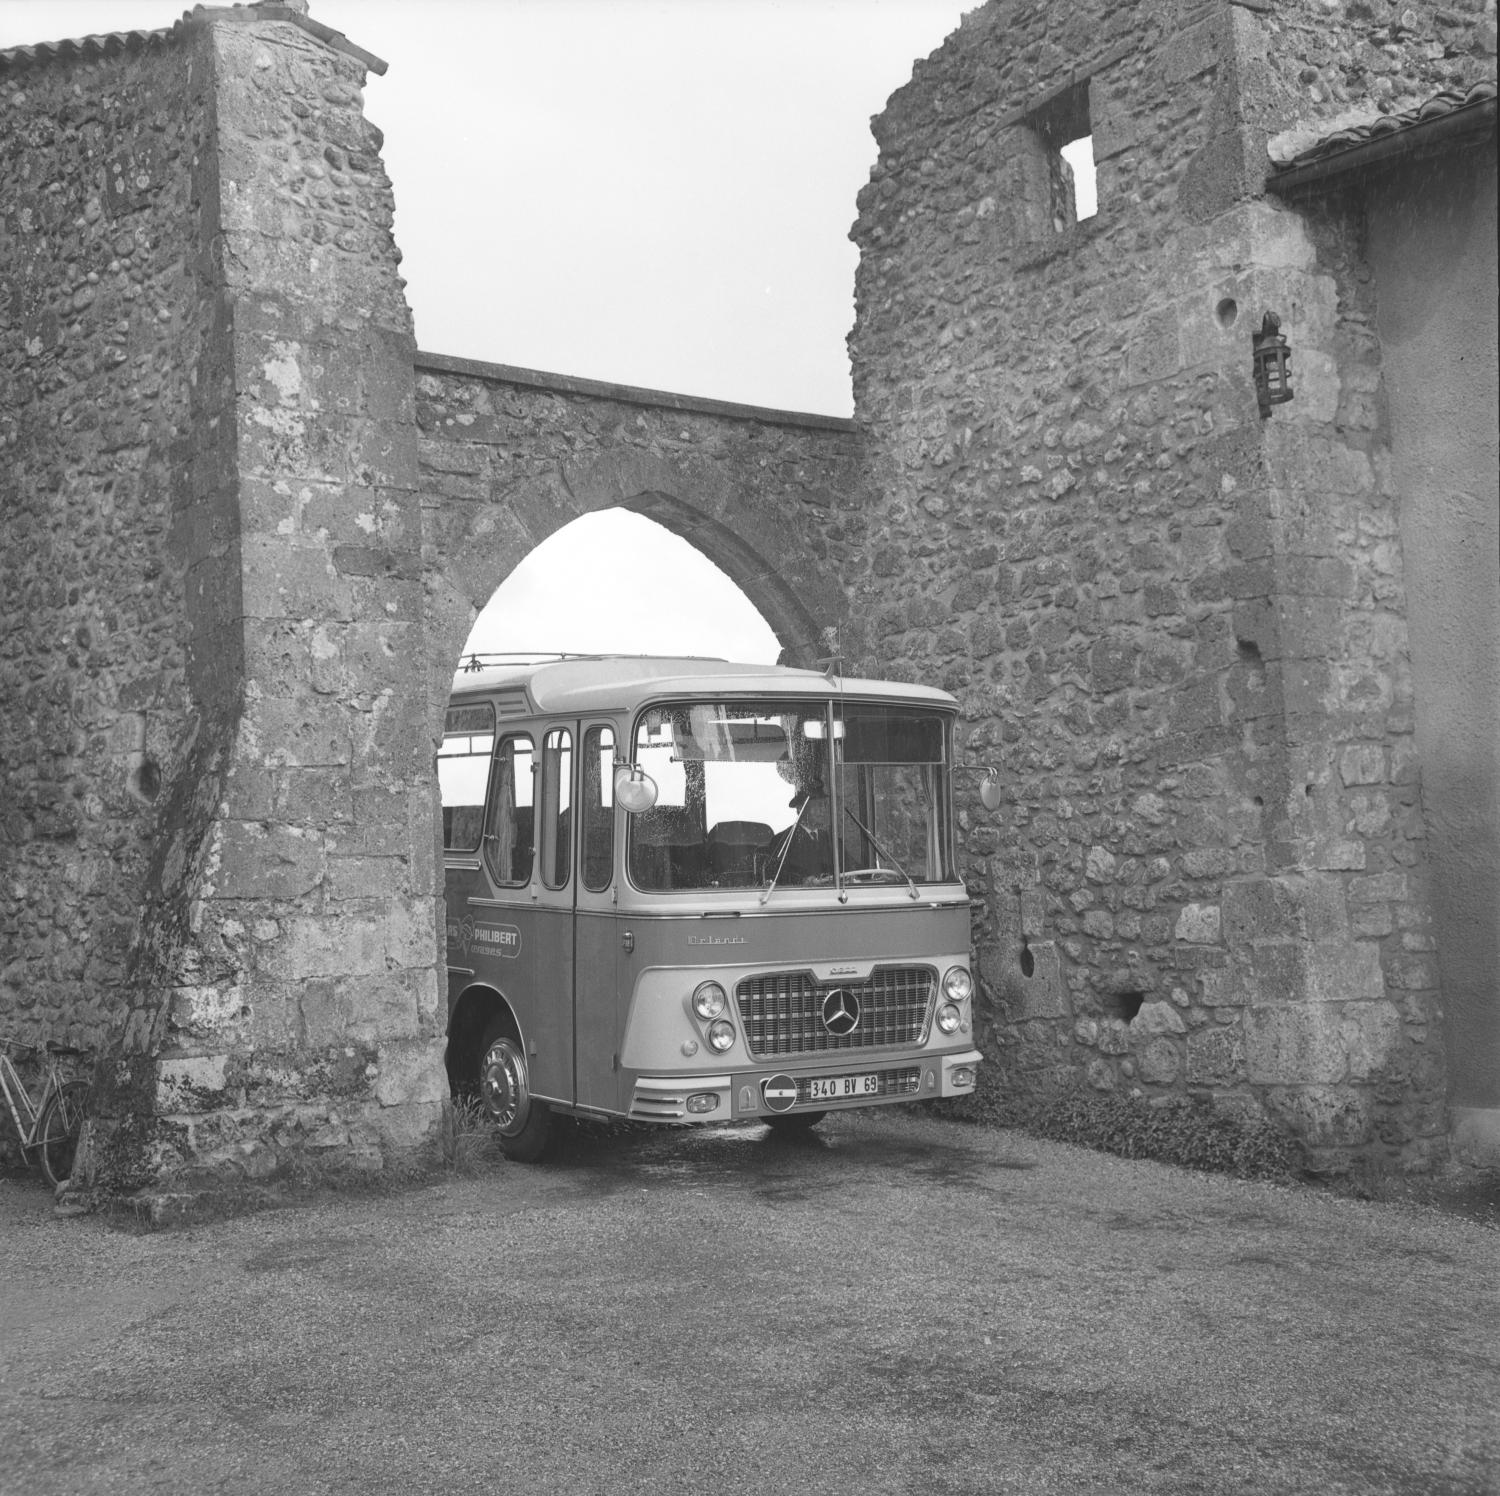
(1079, 155)
(1063, 127)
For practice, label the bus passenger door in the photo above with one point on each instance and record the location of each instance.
(598, 1016)
(551, 1034)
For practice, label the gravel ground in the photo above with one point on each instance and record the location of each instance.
(900, 1304)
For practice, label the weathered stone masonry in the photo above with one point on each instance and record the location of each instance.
(246, 527)
(252, 817)
(228, 790)
(1179, 629)
(509, 456)
(111, 415)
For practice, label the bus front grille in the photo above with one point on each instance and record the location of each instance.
(788, 1012)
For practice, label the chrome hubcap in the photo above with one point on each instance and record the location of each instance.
(502, 1083)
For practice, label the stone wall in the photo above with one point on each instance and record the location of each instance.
(224, 681)
(246, 593)
(308, 1019)
(247, 528)
(1177, 627)
(1319, 68)
(509, 456)
(110, 393)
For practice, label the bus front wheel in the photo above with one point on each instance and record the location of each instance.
(524, 1125)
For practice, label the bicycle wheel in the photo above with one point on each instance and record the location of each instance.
(58, 1127)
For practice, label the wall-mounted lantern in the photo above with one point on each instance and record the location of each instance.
(1273, 364)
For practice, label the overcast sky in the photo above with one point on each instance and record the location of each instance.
(653, 192)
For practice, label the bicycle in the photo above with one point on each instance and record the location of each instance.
(49, 1126)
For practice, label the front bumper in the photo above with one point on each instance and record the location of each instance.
(744, 1094)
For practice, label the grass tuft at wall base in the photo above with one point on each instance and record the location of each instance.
(1174, 1130)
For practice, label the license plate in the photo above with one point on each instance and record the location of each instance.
(841, 1087)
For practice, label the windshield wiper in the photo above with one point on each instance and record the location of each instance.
(880, 851)
(786, 847)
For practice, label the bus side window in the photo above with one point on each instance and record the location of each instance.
(557, 807)
(598, 808)
(509, 831)
(463, 768)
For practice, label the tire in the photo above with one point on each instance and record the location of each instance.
(523, 1124)
(58, 1127)
(792, 1124)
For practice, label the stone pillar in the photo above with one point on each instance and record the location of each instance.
(288, 1009)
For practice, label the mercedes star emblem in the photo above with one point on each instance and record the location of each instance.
(840, 1012)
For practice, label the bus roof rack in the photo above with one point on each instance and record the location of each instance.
(472, 663)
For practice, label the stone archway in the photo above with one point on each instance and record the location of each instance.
(753, 498)
(802, 639)
(754, 491)
(260, 968)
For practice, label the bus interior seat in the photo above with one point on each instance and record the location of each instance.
(461, 824)
(598, 847)
(520, 844)
(562, 851)
(733, 847)
(666, 849)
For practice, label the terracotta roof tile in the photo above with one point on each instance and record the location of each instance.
(1441, 105)
(112, 44)
(84, 47)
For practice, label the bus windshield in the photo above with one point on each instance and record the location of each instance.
(799, 794)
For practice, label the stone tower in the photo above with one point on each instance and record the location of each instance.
(220, 857)
(1175, 612)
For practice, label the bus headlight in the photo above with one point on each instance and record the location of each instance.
(958, 985)
(948, 1019)
(721, 1034)
(709, 1002)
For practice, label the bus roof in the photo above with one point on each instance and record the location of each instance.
(613, 682)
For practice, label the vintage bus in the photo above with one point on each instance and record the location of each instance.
(684, 890)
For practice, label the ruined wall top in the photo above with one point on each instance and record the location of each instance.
(1309, 66)
(1325, 52)
(117, 43)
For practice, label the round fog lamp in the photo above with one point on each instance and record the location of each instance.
(721, 1034)
(709, 1000)
(948, 1018)
(958, 985)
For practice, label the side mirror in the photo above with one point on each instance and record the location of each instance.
(635, 790)
(989, 789)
